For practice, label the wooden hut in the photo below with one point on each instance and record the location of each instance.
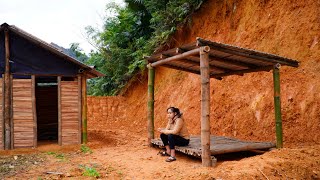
(42, 91)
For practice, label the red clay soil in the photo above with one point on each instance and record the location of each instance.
(241, 106)
(119, 154)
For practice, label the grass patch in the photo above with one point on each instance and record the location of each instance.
(85, 149)
(59, 156)
(89, 171)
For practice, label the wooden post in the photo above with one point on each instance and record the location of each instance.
(11, 112)
(205, 106)
(84, 109)
(79, 108)
(34, 110)
(151, 76)
(59, 112)
(2, 122)
(277, 105)
(7, 95)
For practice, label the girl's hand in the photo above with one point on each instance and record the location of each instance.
(160, 129)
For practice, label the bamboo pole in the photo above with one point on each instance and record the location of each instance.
(34, 111)
(205, 106)
(277, 105)
(151, 76)
(59, 112)
(7, 95)
(176, 57)
(84, 109)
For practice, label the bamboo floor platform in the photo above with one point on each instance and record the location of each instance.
(218, 145)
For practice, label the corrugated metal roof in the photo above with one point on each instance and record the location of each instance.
(224, 60)
(91, 73)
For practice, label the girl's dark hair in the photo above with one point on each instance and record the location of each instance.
(175, 110)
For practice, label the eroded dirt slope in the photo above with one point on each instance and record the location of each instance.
(242, 106)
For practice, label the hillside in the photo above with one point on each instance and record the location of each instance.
(242, 106)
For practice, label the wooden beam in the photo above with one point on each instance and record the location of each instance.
(50, 75)
(79, 108)
(205, 107)
(7, 95)
(34, 111)
(11, 112)
(84, 109)
(212, 64)
(241, 72)
(181, 68)
(59, 112)
(231, 62)
(151, 77)
(176, 57)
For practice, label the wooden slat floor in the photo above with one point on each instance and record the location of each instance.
(219, 145)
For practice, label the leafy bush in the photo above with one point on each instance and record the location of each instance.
(135, 31)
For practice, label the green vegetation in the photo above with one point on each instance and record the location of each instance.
(85, 149)
(89, 171)
(61, 157)
(135, 31)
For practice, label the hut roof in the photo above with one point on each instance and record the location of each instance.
(224, 59)
(30, 55)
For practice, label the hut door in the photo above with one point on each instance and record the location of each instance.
(70, 131)
(23, 117)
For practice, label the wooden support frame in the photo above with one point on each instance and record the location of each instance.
(205, 106)
(277, 105)
(151, 76)
(216, 61)
(59, 111)
(11, 112)
(7, 96)
(79, 108)
(84, 109)
(34, 111)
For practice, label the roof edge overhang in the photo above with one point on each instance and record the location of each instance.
(224, 59)
(90, 72)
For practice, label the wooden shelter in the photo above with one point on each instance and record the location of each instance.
(42, 91)
(215, 60)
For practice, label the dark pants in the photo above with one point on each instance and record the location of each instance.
(173, 140)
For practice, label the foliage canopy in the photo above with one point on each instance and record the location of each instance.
(134, 31)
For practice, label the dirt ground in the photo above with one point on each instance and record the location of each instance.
(115, 156)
